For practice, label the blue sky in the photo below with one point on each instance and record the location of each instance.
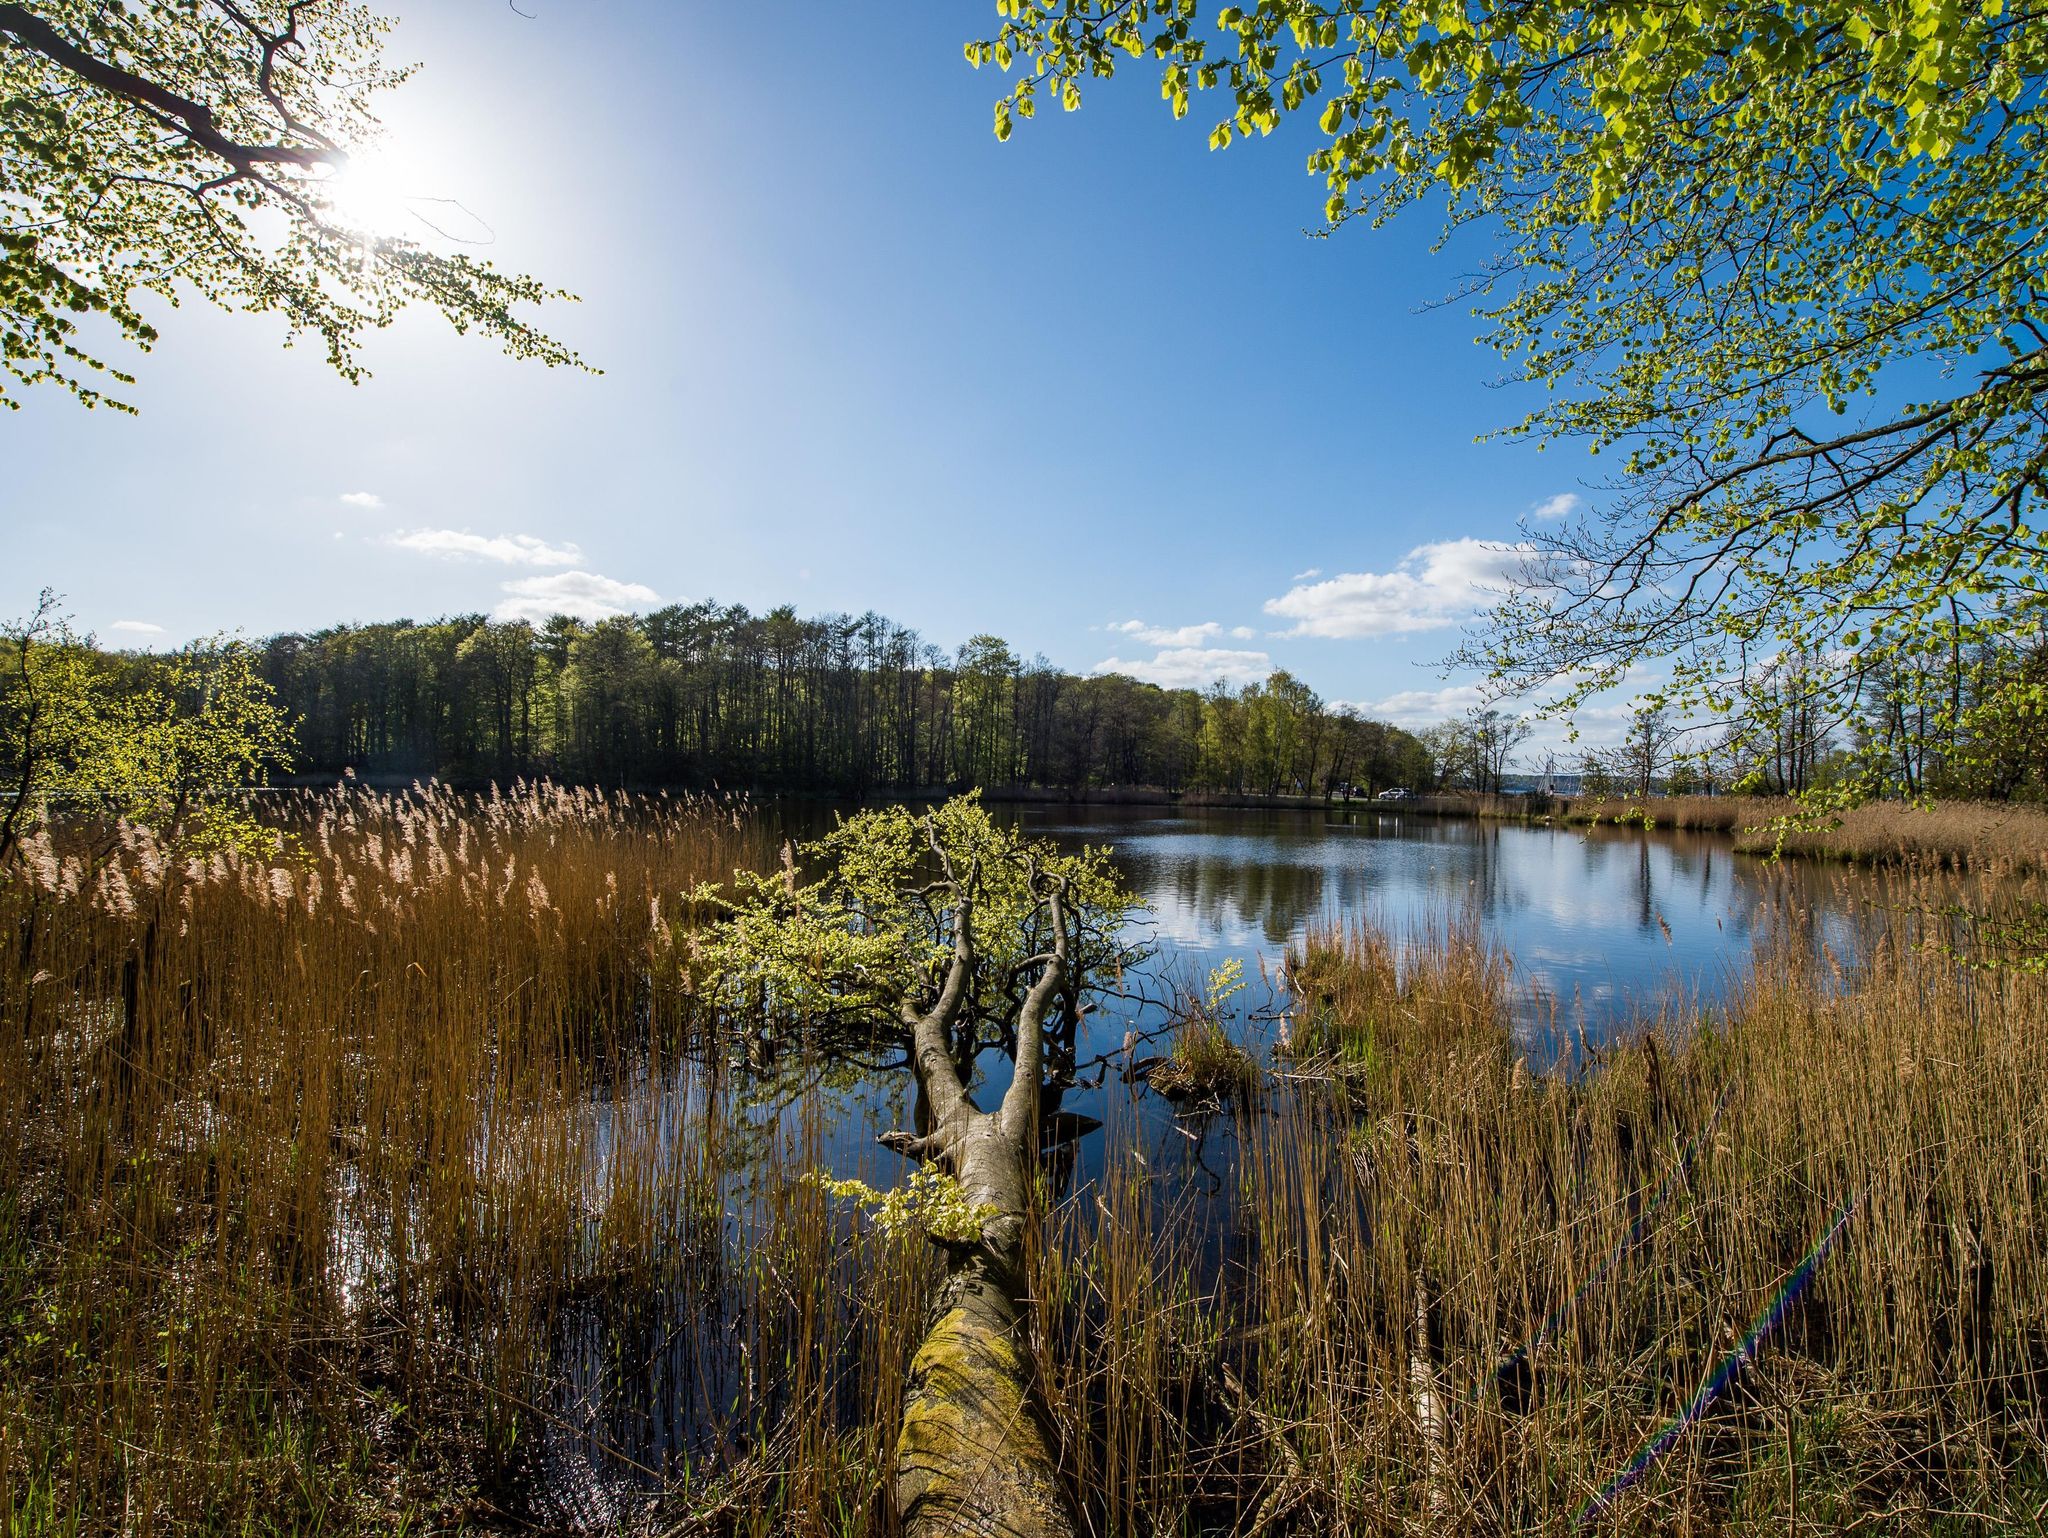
(1092, 390)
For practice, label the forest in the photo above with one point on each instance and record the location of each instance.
(708, 695)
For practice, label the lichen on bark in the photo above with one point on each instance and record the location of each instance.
(958, 937)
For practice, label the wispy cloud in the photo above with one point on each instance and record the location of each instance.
(1168, 635)
(1563, 505)
(507, 549)
(368, 499)
(136, 627)
(1305, 576)
(581, 594)
(1192, 667)
(1432, 586)
(1418, 707)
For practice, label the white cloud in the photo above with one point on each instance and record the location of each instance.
(1305, 576)
(1192, 667)
(1563, 505)
(368, 499)
(1432, 586)
(583, 594)
(136, 627)
(1167, 635)
(1242, 632)
(507, 549)
(1418, 707)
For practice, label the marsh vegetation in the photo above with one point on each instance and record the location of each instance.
(425, 1177)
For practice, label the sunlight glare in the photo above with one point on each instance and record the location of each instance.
(379, 195)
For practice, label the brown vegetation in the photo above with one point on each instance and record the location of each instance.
(297, 1169)
(1457, 1294)
(1978, 835)
(1957, 834)
(390, 1187)
(1690, 814)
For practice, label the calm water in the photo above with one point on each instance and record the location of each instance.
(1604, 928)
(1602, 925)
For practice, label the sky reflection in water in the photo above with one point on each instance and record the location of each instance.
(1604, 927)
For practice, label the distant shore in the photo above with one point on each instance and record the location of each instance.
(1956, 834)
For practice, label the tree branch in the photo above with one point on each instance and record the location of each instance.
(1019, 1113)
(931, 1049)
(196, 120)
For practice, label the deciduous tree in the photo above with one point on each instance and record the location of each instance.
(958, 938)
(207, 147)
(1788, 261)
(171, 749)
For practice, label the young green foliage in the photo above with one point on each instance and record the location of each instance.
(929, 1203)
(169, 746)
(872, 935)
(195, 146)
(1787, 259)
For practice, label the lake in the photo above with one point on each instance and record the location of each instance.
(1602, 924)
(1604, 927)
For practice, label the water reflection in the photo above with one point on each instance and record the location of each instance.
(1606, 922)
(1602, 926)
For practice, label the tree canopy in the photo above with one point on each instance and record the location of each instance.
(705, 694)
(170, 750)
(1785, 260)
(871, 939)
(955, 936)
(205, 146)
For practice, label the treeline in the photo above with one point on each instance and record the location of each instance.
(705, 695)
(1947, 722)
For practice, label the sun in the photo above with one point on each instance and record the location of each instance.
(379, 195)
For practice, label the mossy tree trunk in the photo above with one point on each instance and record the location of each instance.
(975, 1453)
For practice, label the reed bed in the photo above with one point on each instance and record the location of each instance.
(334, 1189)
(1533, 807)
(1688, 814)
(1961, 835)
(399, 1185)
(1779, 1269)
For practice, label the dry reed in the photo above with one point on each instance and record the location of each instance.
(375, 1187)
(1972, 835)
(1451, 1294)
(394, 1187)
(1690, 814)
(1958, 834)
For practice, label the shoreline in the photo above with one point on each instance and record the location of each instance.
(1954, 834)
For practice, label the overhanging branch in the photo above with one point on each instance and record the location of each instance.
(22, 29)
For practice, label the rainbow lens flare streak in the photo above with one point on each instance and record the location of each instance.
(1726, 1373)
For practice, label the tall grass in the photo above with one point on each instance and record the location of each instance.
(1697, 814)
(1452, 1294)
(323, 1182)
(403, 1186)
(1972, 835)
(1980, 835)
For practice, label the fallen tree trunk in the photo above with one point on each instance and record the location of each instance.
(1007, 942)
(975, 1453)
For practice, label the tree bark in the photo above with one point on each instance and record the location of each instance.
(975, 1453)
